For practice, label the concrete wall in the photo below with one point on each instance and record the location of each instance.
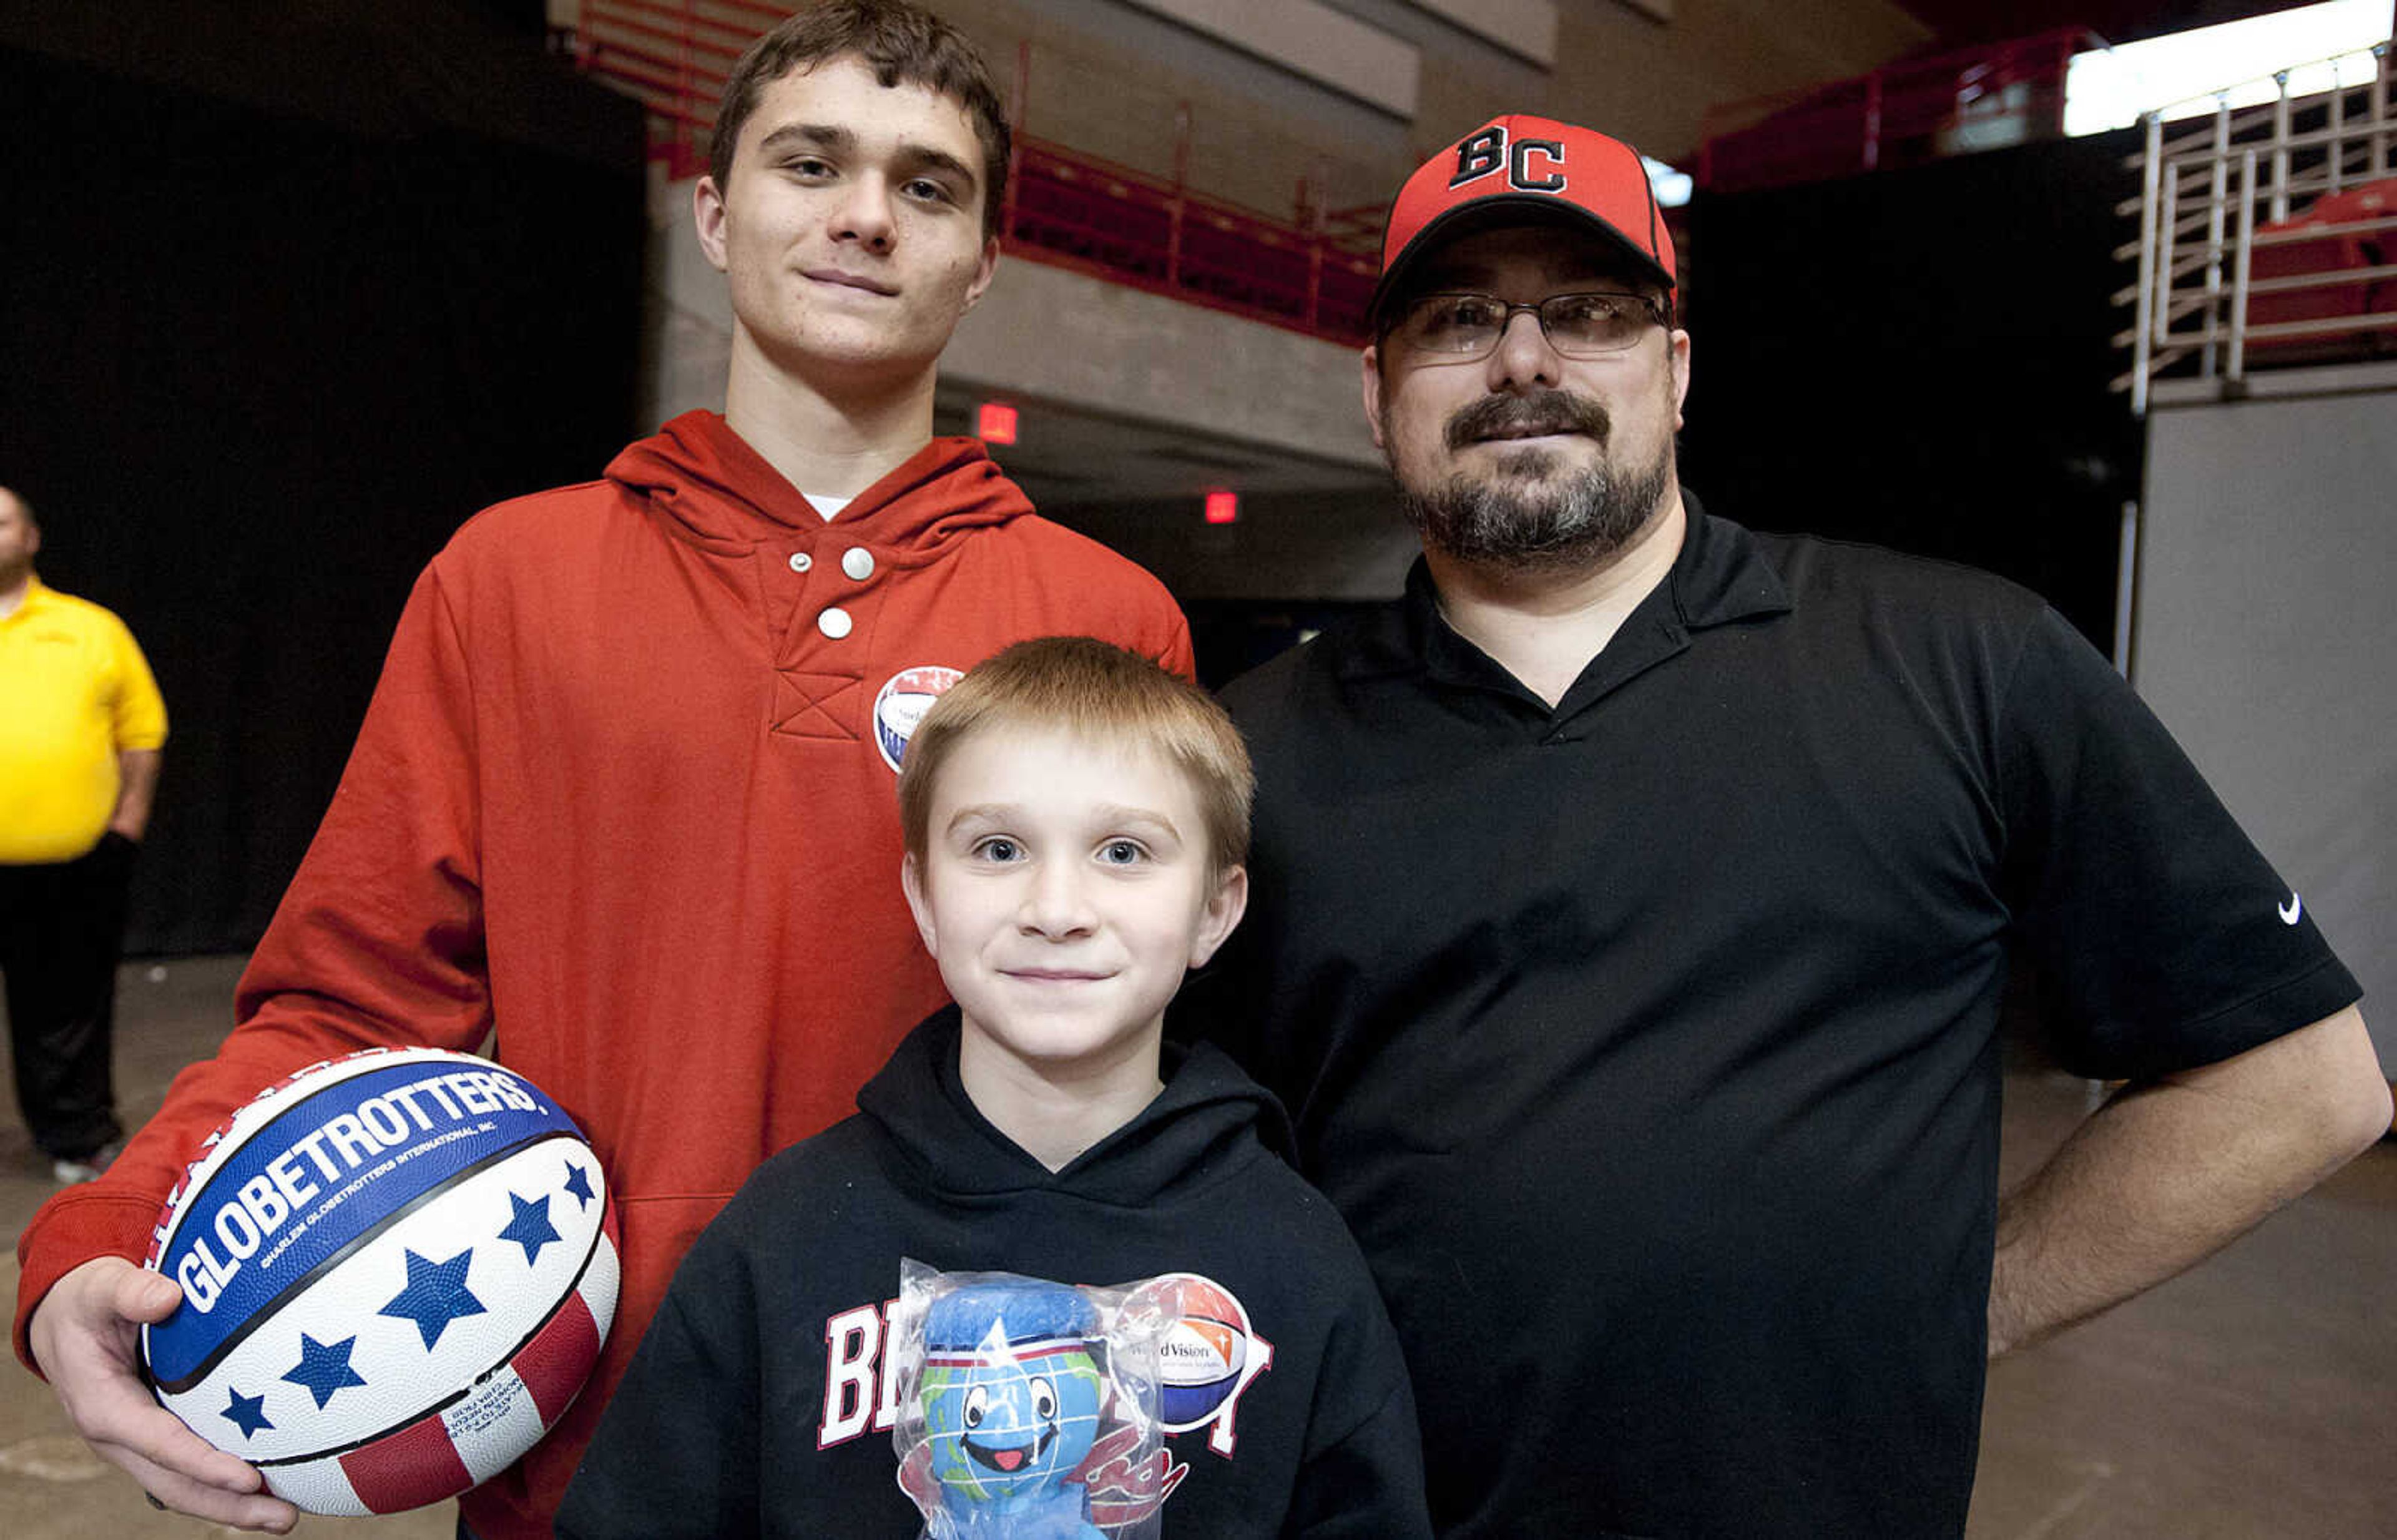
(1126, 358)
(1311, 39)
(2266, 640)
(1059, 336)
(1114, 80)
(1047, 333)
(1111, 78)
(1652, 83)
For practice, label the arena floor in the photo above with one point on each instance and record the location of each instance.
(2254, 1398)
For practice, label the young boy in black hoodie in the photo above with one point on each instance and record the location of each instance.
(1075, 818)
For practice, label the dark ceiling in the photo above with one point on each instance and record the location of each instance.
(1962, 22)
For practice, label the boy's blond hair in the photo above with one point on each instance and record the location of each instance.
(1102, 693)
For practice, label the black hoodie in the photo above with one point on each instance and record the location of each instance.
(757, 1404)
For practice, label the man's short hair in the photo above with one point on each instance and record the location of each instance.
(24, 509)
(902, 44)
(1107, 695)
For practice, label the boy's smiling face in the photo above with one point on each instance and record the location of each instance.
(852, 230)
(1064, 887)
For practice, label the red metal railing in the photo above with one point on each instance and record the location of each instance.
(1077, 211)
(1313, 274)
(1900, 115)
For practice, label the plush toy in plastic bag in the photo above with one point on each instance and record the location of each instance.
(1027, 1409)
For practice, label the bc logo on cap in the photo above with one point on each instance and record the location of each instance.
(1490, 151)
(902, 704)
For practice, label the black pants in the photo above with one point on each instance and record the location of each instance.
(62, 926)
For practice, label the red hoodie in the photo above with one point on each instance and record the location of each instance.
(625, 794)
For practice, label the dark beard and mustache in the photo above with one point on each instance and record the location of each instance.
(1512, 517)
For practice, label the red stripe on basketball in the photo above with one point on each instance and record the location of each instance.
(416, 1465)
(558, 1359)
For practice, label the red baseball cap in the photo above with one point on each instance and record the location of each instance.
(1518, 169)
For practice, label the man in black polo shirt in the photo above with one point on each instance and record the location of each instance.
(1631, 904)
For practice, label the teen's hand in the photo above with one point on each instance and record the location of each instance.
(86, 1336)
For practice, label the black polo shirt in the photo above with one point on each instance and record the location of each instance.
(1647, 1042)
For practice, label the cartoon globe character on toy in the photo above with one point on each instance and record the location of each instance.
(1011, 1393)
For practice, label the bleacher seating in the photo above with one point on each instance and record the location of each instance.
(2334, 251)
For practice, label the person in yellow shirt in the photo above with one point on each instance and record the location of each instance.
(81, 729)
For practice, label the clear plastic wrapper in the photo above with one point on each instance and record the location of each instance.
(1030, 1410)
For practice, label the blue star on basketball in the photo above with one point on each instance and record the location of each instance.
(246, 1412)
(578, 1181)
(531, 1228)
(435, 1295)
(323, 1369)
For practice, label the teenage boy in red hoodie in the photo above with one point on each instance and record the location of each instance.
(625, 790)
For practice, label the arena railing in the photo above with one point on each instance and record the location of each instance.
(1900, 115)
(2269, 230)
(1065, 207)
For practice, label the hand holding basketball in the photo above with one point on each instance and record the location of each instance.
(86, 1336)
(396, 1269)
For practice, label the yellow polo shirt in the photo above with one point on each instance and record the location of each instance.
(75, 690)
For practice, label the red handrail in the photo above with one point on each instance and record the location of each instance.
(1900, 114)
(1062, 207)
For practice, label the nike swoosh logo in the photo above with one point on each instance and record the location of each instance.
(2291, 910)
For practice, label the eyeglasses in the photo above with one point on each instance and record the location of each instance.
(1463, 328)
